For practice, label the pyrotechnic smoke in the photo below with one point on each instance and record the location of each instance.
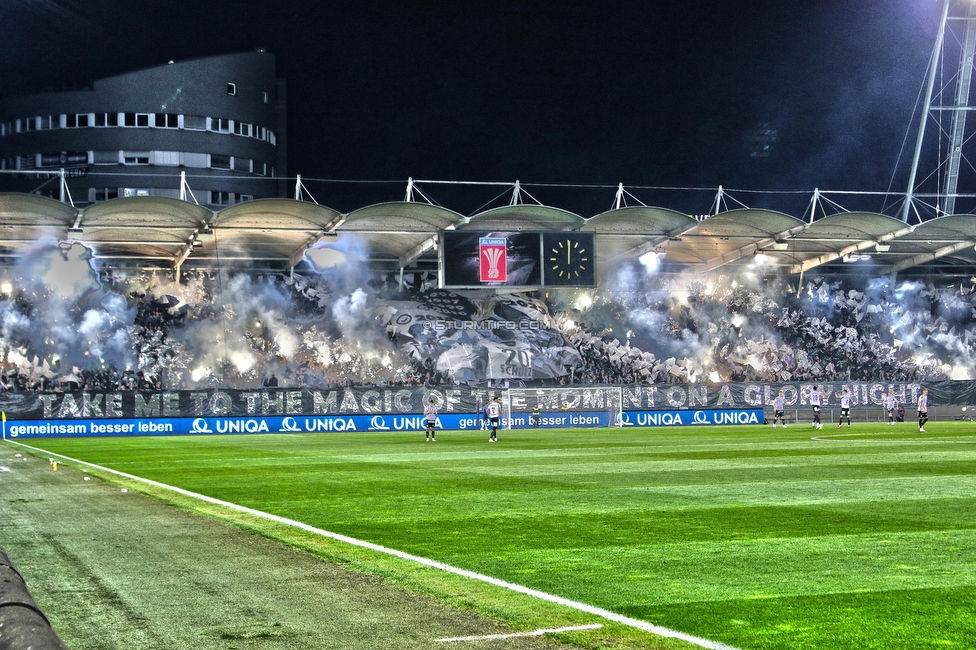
(58, 311)
(306, 329)
(331, 327)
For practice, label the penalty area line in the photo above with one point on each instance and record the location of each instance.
(491, 637)
(528, 591)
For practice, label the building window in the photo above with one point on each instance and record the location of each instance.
(135, 157)
(171, 158)
(242, 164)
(220, 198)
(79, 120)
(135, 191)
(242, 128)
(220, 125)
(241, 198)
(198, 160)
(40, 123)
(218, 161)
(231, 89)
(264, 96)
(167, 121)
(106, 157)
(106, 119)
(103, 193)
(195, 122)
(137, 119)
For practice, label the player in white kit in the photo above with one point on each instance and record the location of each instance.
(815, 401)
(779, 409)
(923, 409)
(891, 405)
(494, 411)
(845, 409)
(430, 414)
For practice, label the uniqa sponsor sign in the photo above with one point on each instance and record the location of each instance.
(340, 423)
(683, 418)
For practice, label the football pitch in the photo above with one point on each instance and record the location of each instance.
(751, 537)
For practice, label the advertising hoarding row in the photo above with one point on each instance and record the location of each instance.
(34, 429)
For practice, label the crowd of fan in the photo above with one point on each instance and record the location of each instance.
(828, 333)
(825, 332)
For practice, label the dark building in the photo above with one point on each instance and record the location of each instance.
(219, 120)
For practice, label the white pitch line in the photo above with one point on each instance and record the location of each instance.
(558, 600)
(4, 469)
(844, 437)
(490, 637)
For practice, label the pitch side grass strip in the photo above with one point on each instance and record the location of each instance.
(492, 637)
(583, 607)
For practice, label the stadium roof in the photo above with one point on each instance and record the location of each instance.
(524, 217)
(400, 231)
(275, 233)
(26, 220)
(266, 230)
(633, 231)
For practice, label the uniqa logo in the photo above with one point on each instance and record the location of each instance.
(623, 420)
(242, 426)
(378, 423)
(405, 423)
(289, 425)
(736, 417)
(200, 426)
(657, 419)
(329, 424)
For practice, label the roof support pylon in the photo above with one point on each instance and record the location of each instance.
(301, 190)
(958, 132)
(185, 189)
(930, 84)
(64, 191)
(517, 194)
(717, 203)
(618, 202)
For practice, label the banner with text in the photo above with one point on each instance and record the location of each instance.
(368, 402)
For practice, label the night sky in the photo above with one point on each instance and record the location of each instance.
(580, 93)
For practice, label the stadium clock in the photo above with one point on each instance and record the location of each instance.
(568, 258)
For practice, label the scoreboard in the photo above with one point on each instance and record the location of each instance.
(470, 259)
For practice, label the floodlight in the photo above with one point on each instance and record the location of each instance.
(882, 248)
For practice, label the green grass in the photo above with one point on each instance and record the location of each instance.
(752, 536)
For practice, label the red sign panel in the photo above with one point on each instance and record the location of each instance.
(494, 264)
